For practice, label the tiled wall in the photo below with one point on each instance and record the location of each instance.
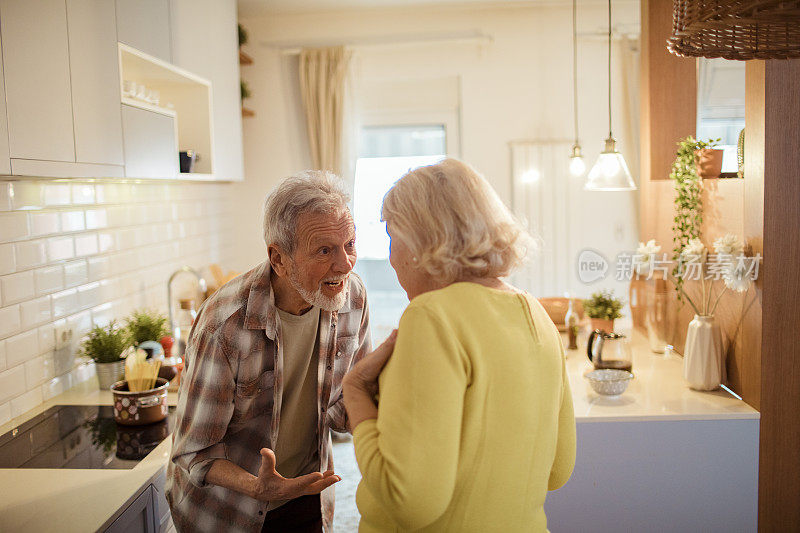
(82, 253)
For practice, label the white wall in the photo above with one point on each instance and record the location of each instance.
(517, 87)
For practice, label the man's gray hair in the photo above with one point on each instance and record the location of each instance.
(310, 191)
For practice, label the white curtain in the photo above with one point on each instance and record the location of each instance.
(323, 74)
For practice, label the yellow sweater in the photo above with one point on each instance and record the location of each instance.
(475, 419)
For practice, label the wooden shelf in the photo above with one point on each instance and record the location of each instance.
(248, 112)
(245, 59)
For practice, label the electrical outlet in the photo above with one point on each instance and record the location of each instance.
(64, 336)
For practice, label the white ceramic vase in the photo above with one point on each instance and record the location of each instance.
(704, 357)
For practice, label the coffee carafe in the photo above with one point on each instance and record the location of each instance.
(609, 350)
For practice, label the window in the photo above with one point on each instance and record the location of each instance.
(720, 106)
(386, 153)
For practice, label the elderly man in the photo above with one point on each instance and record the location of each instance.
(263, 379)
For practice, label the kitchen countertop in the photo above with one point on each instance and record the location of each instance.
(657, 392)
(66, 500)
(87, 500)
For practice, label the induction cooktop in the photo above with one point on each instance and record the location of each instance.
(80, 436)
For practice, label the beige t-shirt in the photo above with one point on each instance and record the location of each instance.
(296, 450)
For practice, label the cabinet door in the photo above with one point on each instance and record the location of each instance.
(94, 71)
(5, 158)
(36, 68)
(139, 517)
(151, 149)
(205, 42)
(144, 25)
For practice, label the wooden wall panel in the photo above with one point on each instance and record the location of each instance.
(779, 468)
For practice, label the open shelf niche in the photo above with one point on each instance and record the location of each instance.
(182, 95)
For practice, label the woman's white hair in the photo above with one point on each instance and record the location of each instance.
(454, 223)
(310, 191)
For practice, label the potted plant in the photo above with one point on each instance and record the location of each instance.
(602, 308)
(145, 325)
(105, 346)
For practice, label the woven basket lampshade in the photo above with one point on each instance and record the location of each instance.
(736, 29)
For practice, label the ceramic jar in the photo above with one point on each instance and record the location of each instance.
(704, 356)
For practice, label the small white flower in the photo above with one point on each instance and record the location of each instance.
(645, 255)
(694, 249)
(729, 244)
(737, 277)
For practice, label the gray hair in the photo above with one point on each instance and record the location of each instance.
(310, 191)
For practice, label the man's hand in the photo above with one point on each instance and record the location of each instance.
(270, 485)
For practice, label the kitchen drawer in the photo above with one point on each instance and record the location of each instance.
(141, 516)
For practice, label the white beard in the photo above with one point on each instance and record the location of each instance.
(317, 298)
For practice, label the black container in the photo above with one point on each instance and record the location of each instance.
(187, 160)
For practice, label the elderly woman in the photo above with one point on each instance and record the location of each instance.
(475, 422)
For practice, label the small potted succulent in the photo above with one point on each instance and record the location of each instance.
(602, 308)
(105, 346)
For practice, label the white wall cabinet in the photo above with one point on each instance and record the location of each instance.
(36, 68)
(5, 158)
(150, 143)
(205, 42)
(94, 73)
(145, 25)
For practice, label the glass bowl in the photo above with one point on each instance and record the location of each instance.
(608, 382)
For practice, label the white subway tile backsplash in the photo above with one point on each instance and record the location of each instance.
(30, 254)
(5, 196)
(89, 295)
(75, 273)
(57, 194)
(9, 320)
(13, 226)
(98, 268)
(5, 413)
(7, 263)
(60, 248)
(105, 242)
(65, 303)
(49, 279)
(27, 195)
(83, 194)
(47, 338)
(22, 347)
(85, 245)
(37, 371)
(45, 223)
(83, 254)
(22, 404)
(56, 386)
(12, 383)
(72, 221)
(96, 218)
(35, 312)
(17, 287)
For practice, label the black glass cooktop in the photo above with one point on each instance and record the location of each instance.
(80, 436)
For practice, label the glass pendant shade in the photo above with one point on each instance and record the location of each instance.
(576, 164)
(610, 172)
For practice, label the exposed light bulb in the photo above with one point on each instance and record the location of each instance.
(577, 166)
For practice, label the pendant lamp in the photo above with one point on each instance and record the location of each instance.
(576, 165)
(610, 172)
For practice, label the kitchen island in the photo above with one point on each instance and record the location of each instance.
(660, 457)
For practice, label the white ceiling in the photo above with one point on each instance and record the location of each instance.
(254, 8)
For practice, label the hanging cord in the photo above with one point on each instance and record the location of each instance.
(575, 65)
(609, 69)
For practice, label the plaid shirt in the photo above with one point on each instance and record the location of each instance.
(229, 402)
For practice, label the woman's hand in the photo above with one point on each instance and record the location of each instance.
(360, 384)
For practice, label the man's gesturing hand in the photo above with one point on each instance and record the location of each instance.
(270, 485)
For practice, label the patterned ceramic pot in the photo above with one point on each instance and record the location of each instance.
(139, 408)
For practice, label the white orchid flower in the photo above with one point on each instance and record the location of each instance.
(695, 249)
(729, 244)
